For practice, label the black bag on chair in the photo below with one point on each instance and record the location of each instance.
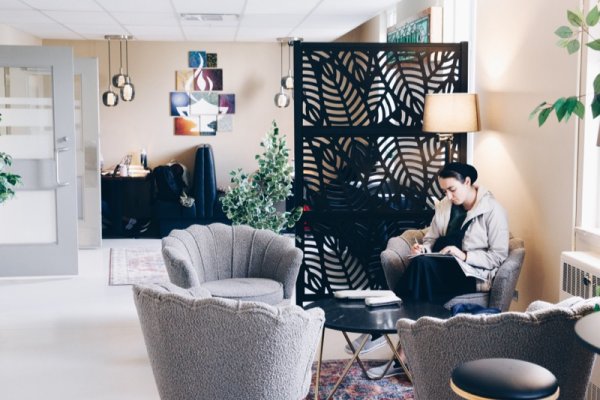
(169, 182)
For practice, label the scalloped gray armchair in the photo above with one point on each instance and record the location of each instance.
(235, 262)
(543, 335)
(394, 260)
(212, 348)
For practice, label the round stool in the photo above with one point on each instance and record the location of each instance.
(503, 378)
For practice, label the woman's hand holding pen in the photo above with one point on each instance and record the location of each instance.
(417, 248)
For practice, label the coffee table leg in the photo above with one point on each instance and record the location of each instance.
(397, 356)
(318, 377)
(349, 364)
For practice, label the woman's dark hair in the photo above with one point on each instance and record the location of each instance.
(458, 171)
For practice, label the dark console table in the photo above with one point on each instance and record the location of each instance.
(125, 198)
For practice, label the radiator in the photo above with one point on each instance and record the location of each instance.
(580, 276)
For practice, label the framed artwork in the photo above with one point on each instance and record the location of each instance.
(226, 103)
(208, 125)
(426, 27)
(184, 80)
(208, 79)
(197, 59)
(180, 104)
(211, 60)
(187, 126)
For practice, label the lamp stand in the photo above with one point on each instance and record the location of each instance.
(447, 139)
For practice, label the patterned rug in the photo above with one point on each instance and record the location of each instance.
(355, 386)
(136, 265)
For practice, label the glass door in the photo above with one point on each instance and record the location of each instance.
(38, 227)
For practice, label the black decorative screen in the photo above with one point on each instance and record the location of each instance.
(365, 171)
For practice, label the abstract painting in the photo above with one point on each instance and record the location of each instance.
(187, 126)
(211, 60)
(225, 123)
(208, 125)
(208, 79)
(204, 103)
(197, 59)
(184, 80)
(180, 104)
(227, 104)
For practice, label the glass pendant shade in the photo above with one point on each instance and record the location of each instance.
(110, 98)
(127, 91)
(119, 79)
(282, 99)
(287, 82)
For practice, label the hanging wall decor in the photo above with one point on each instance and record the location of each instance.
(197, 108)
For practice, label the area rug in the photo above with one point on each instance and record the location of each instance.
(129, 266)
(356, 386)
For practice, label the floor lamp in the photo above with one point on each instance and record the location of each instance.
(448, 113)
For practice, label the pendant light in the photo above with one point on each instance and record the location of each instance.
(119, 79)
(281, 99)
(127, 90)
(288, 81)
(109, 98)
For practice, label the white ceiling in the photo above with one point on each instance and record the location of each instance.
(158, 20)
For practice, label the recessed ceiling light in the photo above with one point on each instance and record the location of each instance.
(210, 18)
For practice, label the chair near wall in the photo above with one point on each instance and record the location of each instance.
(210, 348)
(543, 335)
(394, 260)
(207, 209)
(236, 262)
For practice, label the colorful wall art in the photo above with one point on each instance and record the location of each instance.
(196, 108)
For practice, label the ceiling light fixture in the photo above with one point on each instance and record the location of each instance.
(122, 80)
(282, 99)
(287, 82)
(210, 18)
(109, 98)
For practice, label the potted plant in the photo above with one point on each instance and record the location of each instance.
(252, 199)
(7, 180)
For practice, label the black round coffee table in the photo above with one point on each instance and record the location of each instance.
(356, 317)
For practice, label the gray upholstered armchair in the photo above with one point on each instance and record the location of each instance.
(212, 348)
(394, 260)
(544, 335)
(236, 262)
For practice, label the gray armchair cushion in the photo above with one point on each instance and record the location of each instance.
(545, 336)
(213, 348)
(394, 260)
(247, 289)
(206, 253)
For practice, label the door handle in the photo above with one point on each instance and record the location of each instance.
(57, 170)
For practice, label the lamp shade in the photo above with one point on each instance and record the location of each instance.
(451, 113)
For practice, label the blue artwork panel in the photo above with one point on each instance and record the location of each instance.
(180, 104)
(197, 59)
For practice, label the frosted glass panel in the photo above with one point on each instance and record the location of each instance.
(29, 217)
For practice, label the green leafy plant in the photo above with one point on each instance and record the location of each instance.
(7, 180)
(252, 199)
(579, 26)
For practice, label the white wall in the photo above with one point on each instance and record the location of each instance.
(250, 70)
(13, 37)
(531, 170)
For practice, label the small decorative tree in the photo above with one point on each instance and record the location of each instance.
(7, 180)
(564, 107)
(252, 199)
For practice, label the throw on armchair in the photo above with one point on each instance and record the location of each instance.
(394, 260)
(206, 208)
(209, 348)
(543, 335)
(237, 262)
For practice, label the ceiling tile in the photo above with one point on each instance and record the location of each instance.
(48, 31)
(13, 5)
(141, 31)
(18, 17)
(155, 19)
(77, 17)
(145, 6)
(209, 6)
(367, 8)
(280, 6)
(64, 5)
(266, 21)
